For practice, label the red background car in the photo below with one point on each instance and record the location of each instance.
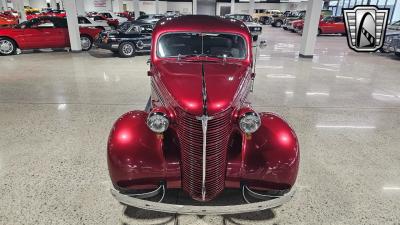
(328, 25)
(43, 32)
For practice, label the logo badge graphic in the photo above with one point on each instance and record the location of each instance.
(366, 27)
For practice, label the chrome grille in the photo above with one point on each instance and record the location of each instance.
(191, 140)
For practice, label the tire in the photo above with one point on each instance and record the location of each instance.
(255, 38)
(319, 32)
(127, 49)
(86, 43)
(278, 23)
(397, 54)
(7, 46)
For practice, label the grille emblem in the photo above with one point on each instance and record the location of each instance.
(366, 27)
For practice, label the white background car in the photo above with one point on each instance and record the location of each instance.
(84, 21)
(111, 15)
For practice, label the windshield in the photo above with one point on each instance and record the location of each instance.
(327, 19)
(124, 26)
(201, 44)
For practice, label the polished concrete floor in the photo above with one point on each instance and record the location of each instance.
(56, 110)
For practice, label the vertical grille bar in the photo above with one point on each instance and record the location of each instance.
(191, 141)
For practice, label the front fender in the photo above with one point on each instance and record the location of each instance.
(271, 155)
(134, 152)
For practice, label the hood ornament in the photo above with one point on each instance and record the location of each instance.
(204, 122)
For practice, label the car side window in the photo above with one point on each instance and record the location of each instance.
(43, 23)
(83, 20)
(338, 19)
(108, 15)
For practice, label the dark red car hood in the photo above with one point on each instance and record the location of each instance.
(183, 80)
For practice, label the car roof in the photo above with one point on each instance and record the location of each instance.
(200, 23)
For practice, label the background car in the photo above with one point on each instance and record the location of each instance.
(255, 28)
(150, 18)
(90, 22)
(296, 15)
(258, 13)
(102, 19)
(43, 32)
(396, 45)
(7, 21)
(128, 39)
(327, 25)
(113, 16)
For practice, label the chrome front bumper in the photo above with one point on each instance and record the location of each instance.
(204, 210)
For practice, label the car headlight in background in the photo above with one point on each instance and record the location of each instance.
(249, 122)
(157, 122)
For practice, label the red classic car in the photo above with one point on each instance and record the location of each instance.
(43, 32)
(327, 25)
(199, 132)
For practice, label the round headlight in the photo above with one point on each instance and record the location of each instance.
(157, 122)
(249, 122)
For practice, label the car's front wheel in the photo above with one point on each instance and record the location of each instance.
(127, 49)
(278, 23)
(86, 43)
(7, 46)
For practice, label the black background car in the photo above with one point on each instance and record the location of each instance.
(127, 40)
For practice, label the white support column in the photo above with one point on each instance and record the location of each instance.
(158, 7)
(120, 5)
(3, 5)
(19, 6)
(310, 29)
(232, 6)
(73, 27)
(80, 7)
(194, 7)
(136, 8)
(251, 7)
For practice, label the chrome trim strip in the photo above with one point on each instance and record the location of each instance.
(202, 210)
(148, 194)
(204, 122)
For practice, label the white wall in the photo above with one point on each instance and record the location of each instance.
(97, 5)
(244, 7)
(182, 7)
(39, 4)
(147, 6)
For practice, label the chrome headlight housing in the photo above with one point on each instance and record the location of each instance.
(157, 122)
(249, 122)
